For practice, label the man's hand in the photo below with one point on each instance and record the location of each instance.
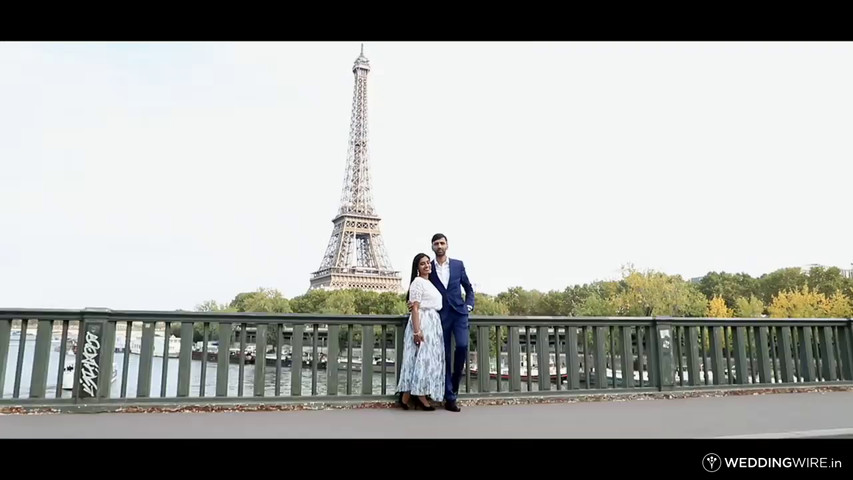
(410, 303)
(469, 308)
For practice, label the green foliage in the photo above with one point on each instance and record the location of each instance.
(488, 305)
(637, 293)
(781, 280)
(198, 328)
(806, 303)
(519, 301)
(751, 307)
(596, 305)
(717, 308)
(728, 286)
(311, 302)
(654, 293)
(828, 281)
(262, 300)
(339, 302)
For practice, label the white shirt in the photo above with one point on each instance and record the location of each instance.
(443, 271)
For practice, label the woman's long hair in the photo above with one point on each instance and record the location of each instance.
(415, 263)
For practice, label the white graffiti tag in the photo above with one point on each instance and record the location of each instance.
(90, 370)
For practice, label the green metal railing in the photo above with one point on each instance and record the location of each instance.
(84, 357)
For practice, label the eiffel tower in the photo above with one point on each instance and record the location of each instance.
(355, 256)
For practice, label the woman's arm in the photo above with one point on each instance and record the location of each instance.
(416, 322)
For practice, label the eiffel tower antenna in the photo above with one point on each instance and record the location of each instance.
(355, 256)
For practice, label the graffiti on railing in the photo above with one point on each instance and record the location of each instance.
(665, 338)
(90, 371)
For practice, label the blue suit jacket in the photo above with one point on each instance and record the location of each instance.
(451, 297)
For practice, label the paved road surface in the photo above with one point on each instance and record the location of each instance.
(777, 415)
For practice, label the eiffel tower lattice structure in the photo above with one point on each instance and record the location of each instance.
(355, 256)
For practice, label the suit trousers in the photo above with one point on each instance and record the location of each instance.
(455, 324)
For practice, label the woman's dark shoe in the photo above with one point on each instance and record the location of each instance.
(420, 406)
(401, 404)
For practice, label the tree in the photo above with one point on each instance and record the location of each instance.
(575, 297)
(489, 306)
(340, 302)
(806, 303)
(728, 286)
(657, 294)
(262, 300)
(389, 303)
(311, 302)
(717, 308)
(595, 305)
(213, 328)
(570, 301)
(365, 301)
(211, 306)
(751, 307)
(552, 303)
(644, 294)
(781, 280)
(838, 306)
(826, 280)
(519, 302)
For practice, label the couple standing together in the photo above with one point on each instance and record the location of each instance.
(437, 312)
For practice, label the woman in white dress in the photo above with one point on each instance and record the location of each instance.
(422, 373)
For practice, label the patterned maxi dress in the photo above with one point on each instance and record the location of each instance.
(422, 372)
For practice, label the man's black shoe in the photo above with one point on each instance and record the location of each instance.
(451, 406)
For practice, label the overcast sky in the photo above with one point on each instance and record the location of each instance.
(157, 176)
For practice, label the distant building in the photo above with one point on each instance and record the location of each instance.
(845, 272)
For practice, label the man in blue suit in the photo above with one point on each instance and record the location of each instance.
(449, 277)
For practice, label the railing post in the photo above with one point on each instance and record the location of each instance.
(718, 339)
(600, 359)
(399, 346)
(482, 349)
(514, 358)
(223, 358)
(663, 344)
(693, 356)
(786, 360)
(846, 346)
(807, 369)
(827, 354)
(296, 364)
(332, 361)
(741, 340)
(572, 363)
(5, 334)
(185, 360)
(41, 359)
(259, 388)
(94, 359)
(764, 361)
(368, 338)
(544, 358)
